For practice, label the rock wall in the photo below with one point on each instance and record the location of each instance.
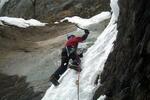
(16, 88)
(126, 74)
(53, 9)
(32, 53)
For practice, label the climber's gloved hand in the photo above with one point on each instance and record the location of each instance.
(81, 55)
(86, 31)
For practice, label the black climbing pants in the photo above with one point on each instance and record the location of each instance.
(64, 62)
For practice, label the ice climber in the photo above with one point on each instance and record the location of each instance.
(69, 52)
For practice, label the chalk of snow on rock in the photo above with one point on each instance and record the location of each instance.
(56, 22)
(20, 22)
(1, 23)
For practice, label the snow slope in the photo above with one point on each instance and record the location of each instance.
(92, 64)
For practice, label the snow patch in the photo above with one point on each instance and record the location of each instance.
(56, 22)
(20, 22)
(90, 23)
(115, 8)
(102, 97)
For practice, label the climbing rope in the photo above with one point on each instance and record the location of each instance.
(78, 85)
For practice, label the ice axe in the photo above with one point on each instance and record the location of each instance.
(80, 27)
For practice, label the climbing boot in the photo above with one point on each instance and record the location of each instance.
(54, 80)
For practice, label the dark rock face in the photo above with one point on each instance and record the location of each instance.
(53, 9)
(16, 88)
(17, 8)
(126, 74)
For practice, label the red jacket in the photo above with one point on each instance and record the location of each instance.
(73, 41)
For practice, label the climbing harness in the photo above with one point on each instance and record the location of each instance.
(70, 50)
(67, 51)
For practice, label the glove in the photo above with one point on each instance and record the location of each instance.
(86, 31)
(81, 55)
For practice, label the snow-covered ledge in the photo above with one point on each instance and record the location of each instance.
(20, 22)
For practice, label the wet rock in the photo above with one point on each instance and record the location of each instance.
(20, 52)
(16, 88)
(127, 69)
